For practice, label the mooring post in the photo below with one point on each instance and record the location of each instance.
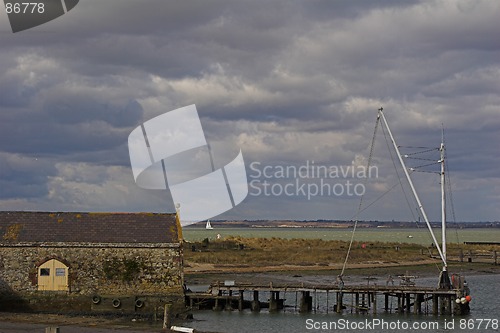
(217, 306)
(305, 302)
(229, 301)
(167, 316)
(255, 303)
(327, 301)
(421, 300)
(386, 302)
(435, 306)
(240, 301)
(315, 301)
(339, 304)
(408, 303)
(443, 304)
(273, 301)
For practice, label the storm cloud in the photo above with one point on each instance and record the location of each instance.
(286, 81)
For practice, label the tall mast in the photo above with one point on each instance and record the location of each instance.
(420, 206)
(443, 199)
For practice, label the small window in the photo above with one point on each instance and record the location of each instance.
(44, 271)
(60, 271)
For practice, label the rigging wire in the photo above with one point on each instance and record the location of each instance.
(420, 152)
(414, 147)
(397, 173)
(425, 165)
(411, 171)
(450, 192)
(361, 198)
(374, 201)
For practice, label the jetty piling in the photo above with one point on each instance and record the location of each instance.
(52, 329)
(407, 299)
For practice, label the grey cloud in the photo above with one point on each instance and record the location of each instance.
(286, 81)
(24, 176)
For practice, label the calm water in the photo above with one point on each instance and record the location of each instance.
(418, 236)
(485, 291)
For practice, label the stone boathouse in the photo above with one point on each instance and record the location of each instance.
(90, 262)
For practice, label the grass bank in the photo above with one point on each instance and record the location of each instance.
(237, 254)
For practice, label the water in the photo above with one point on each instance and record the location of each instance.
(418, 236)
(485, 292)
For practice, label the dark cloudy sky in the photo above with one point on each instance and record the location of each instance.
(285, 81)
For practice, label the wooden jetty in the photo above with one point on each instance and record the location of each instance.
(405, 298)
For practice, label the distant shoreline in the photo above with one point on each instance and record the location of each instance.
(340, 224)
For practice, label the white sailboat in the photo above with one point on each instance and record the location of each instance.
(209, 225)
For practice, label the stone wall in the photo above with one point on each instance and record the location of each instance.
(110, 271)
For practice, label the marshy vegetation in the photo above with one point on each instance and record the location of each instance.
(260, 252)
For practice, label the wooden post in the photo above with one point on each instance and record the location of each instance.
(240, 301)
(229, 301)
(408, 303)
(400, 303)
(315, 301)
(443, 305)
(416, 304)
(435, 300)
(305, 302)
(216, 305)
(52, 329)
(374, 301)
(469, 259)
(327, 301)
(167, 316)
(386, 302)
(255, 302)
(357, 302)
(495, 257)
(461, 255)
(339, 304)
(273, 301)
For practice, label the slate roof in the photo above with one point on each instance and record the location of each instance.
(87, 227)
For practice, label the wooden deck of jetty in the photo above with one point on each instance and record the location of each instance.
(405, 298)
